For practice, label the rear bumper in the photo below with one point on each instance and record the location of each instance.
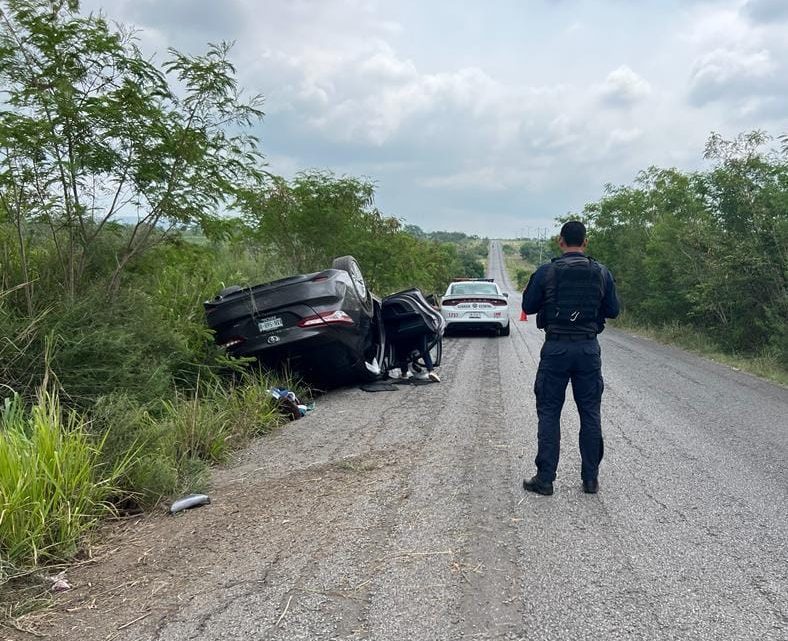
(308, 350)
(489, 319)
(477, 324)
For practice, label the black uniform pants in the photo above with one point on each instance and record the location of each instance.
(404, 350)
(561, 361)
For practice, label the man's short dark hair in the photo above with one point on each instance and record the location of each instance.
(573, 233)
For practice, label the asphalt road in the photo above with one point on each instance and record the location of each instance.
(398, 516)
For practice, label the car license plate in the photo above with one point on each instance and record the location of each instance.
(474, 315)
(267, 324)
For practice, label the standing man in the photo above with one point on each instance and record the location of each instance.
(572, 296)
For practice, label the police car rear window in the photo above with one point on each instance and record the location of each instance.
(474, 288)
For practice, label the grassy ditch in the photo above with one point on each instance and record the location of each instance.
(145, 402)
(63, 471)
(518, 269)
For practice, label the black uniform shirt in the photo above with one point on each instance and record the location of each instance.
(534, 295)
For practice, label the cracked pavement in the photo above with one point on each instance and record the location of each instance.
(401, 515)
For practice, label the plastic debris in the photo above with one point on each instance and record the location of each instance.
(188, 502)
(289, 403)
(305, 409)
(283, 392)
(59, 583)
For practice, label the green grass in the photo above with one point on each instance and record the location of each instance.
(218, 417)
(518, 269)
(176, 439)
(53, 485)
(766, 364)
(60, 473)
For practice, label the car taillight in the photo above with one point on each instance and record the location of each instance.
(499, 303)
(448, 303)
(326, 318)
(235, 340)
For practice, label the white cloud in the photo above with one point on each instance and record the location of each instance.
(724, 72)
(620, 137)
(486, 178)
(463, 114)
(623, 87)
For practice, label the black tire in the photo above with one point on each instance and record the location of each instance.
(350, 265)
(505, 331)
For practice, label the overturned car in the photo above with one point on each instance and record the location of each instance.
(327, 326)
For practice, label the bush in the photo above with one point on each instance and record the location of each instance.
(522, 276)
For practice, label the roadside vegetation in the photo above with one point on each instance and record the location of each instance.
(521, 257)
(701, 258)
(129, 194)
(471, 251)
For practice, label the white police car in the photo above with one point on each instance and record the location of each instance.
(476, 303)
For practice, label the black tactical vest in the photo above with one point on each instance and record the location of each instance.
(574, 289)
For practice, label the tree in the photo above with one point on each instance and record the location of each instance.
(318, 216)
(530, 250)
(706, 249)
(91, 132)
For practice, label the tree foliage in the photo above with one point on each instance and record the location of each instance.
(318, 216)
(534, 251)
(709, 249)
(91, 131)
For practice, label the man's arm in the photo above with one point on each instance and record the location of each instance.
(533, 297)
(610, 303)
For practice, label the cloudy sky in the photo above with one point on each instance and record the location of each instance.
(490, 117)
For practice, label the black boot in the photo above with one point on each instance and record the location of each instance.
(591, 486)
(540, 487)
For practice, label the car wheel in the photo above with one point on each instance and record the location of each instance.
(351, 266)
(504, 331)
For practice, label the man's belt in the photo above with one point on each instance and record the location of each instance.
(570, 337)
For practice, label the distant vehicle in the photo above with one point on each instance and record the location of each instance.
(326, 326)
(476, 303)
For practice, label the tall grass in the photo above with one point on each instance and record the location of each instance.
(219, 416)
(147, 404)
(53, 485)
(175, 439)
